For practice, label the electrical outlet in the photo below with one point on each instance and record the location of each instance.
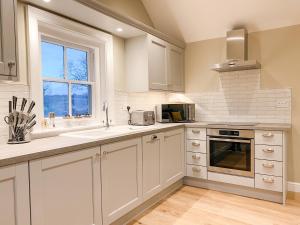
(282, 103)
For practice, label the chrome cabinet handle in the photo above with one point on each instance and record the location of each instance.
(268, 180)
(196, 131)
(268, 134)
(195, 143)
(268, 150)
(153, 137)
(195, 169)
(268, 165)
(196, 157)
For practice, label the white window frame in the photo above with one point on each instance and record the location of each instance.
(39, 23)
(90, 69)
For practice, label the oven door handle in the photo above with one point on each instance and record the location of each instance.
(230, 140)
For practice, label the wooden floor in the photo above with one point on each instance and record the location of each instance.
(195, 206)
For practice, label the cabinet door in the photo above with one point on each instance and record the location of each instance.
(152, 145)
(121, 172)
(66, 189)
(8, 38)
(157, 63)
(173, 156)
(14, 195)
(176, 68)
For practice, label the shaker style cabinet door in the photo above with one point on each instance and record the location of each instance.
(121, 172)
(173, 156)
(14, 195)
(176, 68)
(66, 189)
(152, 145)
(157, 63)
(8, 41)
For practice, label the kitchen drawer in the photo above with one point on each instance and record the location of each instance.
(268, 167)
(271, 183)
(196, 146)
(268, 137)
(196, 171)
(268, 152)
(196, 158)
(196, 133)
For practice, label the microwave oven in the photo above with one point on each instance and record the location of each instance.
(175, 113)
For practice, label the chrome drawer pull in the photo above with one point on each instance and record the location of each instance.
(196, 131)
(268, 165)
(197, 157)
(268, 134)
(268, 180)
(195, 143)
(195, 169)
(268, 150)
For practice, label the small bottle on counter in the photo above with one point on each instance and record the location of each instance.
(52, 119)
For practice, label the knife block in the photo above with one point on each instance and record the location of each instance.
(18, 139)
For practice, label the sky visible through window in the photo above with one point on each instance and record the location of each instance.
(57, 91)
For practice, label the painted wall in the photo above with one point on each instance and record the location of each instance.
(278, 51)
(132, 8)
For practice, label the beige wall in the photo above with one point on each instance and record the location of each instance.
(278, 51)
(132, 8)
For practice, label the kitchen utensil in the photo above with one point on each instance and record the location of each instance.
(22, 115)
(31, 106)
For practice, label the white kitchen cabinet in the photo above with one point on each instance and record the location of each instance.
(8, 41)
(121, 172)
(152, 147)
(176, 68)
(173, 156)
(153, 64)
(66, 189)
(14, 195)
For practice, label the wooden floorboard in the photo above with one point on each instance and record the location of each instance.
(196, 206)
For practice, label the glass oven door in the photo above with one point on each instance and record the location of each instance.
(231, 156)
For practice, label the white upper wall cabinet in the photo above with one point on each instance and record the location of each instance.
(8, 41)
(153, 64)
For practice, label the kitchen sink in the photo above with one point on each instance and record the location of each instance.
(104, 132)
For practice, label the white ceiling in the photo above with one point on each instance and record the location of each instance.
(194, 20)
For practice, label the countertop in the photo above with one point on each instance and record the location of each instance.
(44, 147)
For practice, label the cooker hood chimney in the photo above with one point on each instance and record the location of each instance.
(237, 53)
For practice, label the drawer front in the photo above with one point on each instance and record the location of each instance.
(266, 167)
(196, 158)
(196, 133)
(268, 137)
(196, 146)
(196, 171)
(268, 152)
(271, 183)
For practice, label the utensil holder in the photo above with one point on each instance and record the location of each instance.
(18, 136)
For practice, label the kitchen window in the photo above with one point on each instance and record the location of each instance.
(66, 71)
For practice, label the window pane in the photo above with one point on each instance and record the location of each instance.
(81, 99)
(77, 64)
(52, 60)
(56, 98)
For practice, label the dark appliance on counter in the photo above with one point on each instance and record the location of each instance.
(175, 113)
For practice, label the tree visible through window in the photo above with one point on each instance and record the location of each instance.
(66, 82)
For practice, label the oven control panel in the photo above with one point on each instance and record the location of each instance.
(229, 132)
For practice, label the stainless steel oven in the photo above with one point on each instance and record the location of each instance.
(231, 151)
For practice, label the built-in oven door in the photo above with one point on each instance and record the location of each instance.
(231, 156)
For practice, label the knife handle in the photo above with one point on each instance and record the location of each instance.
(31, 118)
(32, 104)
(15, 100)
(10, 107)
(24, 101)
(31, 125)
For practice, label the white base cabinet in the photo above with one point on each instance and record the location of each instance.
(66, 189)
(14, 195)
(152, 149)
(121, 172)
(173, 156)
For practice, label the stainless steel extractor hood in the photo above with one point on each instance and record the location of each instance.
(237, 53)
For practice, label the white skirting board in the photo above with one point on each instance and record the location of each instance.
(293, 187)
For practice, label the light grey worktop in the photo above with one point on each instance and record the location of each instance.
(44, 147)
